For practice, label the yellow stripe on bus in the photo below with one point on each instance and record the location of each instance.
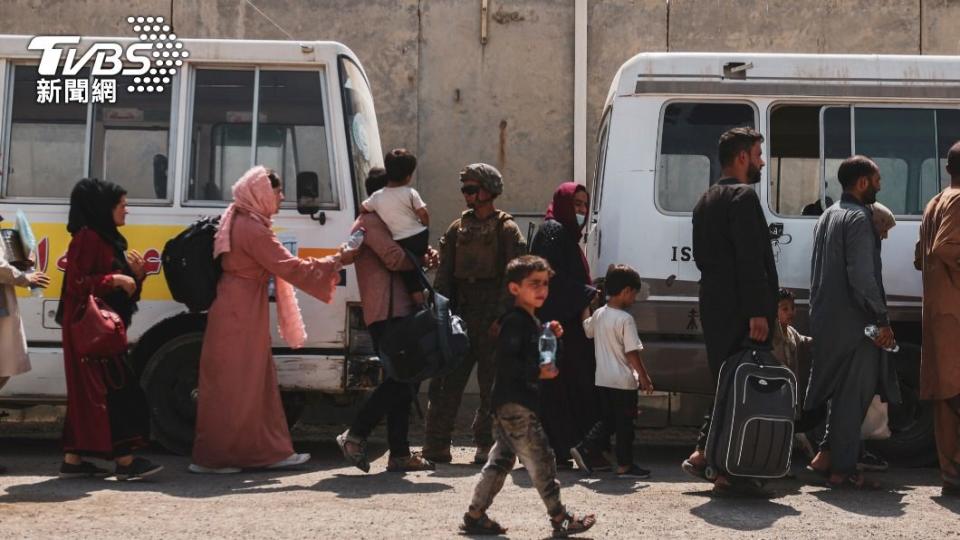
(53, 240)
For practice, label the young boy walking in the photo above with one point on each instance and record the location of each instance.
(620, 371)
(518, 432)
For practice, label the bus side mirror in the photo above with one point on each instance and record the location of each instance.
(308, 195)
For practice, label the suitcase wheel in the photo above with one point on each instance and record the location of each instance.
(710, 473)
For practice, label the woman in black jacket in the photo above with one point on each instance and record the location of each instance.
(568, 403)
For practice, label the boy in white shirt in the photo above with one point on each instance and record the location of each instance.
(620, 371)
(403, 211)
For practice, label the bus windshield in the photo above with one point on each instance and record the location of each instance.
(363, 135)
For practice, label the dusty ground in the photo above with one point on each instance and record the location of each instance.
(327, 499)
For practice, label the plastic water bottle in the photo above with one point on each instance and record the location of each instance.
(548, 346)
(356, 239)
(872, 331)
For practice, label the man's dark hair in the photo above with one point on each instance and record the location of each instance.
(953, 159)
(734, 141)
(786, 294)
(854, 168)
(619, 277)
(399, 164)
(521, 267)
(376, 180)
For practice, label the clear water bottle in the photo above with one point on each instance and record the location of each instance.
(548, 346)
(872, 331)
(356, 239)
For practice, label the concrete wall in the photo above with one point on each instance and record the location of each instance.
(453, 100)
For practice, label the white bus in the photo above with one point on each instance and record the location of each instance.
(303, 108)
(657, 154)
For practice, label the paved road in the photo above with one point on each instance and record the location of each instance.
(327, 499)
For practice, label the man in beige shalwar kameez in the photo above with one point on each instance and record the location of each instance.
(938, 256)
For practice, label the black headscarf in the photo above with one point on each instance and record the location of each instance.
(91, 206)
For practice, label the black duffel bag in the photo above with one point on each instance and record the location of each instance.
(432, 342)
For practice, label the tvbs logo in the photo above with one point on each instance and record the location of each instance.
(149, 64)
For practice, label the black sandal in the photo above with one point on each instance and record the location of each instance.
(571, 525)
(482, 526)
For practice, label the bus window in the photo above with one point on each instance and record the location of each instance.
(47, 141)
(795, 160)
(899, 141)
(221, 132)
(948, 134)
(835, 134)
(688, 162)
(130, 141)
(363, 135)
(291, 131)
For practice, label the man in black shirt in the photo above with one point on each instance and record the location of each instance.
(518, 432)
(738, 275)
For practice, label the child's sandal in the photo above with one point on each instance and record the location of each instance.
(570, 525)
(482, 525)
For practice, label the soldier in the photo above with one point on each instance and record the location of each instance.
(474, 253)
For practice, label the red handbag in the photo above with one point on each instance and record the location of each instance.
(97, 331)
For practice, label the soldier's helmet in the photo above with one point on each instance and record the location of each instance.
(487, 176)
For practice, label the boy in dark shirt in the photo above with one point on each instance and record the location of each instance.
(518, 432)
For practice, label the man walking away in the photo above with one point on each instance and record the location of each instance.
(846, 295)
(938, 256)
(738, 275)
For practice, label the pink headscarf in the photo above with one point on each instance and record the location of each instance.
(253, 194)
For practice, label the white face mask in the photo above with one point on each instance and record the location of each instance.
(581, 219)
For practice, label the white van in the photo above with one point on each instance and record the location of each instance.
(309, 108)
(658, 153)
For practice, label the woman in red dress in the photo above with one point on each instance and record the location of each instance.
(107, 414)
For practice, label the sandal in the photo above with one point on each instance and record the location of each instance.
(359, 457)
(482, 525)
(855, 481)
(570, 525)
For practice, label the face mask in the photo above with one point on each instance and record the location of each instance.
(581, 219)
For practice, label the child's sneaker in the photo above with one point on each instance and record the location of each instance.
(84, 469)
(634, 471)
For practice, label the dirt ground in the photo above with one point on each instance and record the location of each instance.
(329, 499)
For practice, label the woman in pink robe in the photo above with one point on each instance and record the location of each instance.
(240, 419)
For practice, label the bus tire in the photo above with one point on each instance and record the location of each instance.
(911, 421)
(170, 377)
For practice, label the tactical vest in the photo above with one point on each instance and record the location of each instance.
(478, 249)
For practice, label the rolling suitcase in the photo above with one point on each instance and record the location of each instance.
(751, 431)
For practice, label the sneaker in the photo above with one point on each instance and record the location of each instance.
(294, 460)
(137, 469)
(84, 469)
(871, 462)
(412, 463)
(480, 458)
(359, 457)
(580, 455)
(635, 471)
(200, 469)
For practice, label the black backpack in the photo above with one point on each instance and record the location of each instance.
(189, 266)
(431, 342)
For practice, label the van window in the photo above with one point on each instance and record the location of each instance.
(600, 166)
(899, 141)
(688, 162)
(45, 153)
(794, 159)
(289, 125)
(363, 135)
(130, 142)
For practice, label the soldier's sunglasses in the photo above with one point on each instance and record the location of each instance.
(470, 190)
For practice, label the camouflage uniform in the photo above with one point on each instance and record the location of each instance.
(473, 257)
